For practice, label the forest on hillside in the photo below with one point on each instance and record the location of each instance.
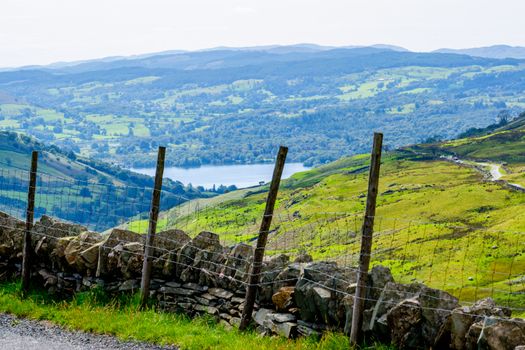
(231, 107)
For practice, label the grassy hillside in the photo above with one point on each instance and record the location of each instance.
(77, 188)
(437, 221)
(501, 143)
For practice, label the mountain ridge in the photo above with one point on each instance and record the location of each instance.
(276, 49)
(494, 51)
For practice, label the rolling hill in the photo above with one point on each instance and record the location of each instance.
(495, 51)
(78, 189)
(437, 221)
(228, 105)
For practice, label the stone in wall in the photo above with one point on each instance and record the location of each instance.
(49, 239)
(454, 332)
(47, 232)
(81, 253)
(111, 262)
(11, 238)
(200, 260)
(272, 266)
(283, 299)
(433, 305)
(295, 298)
(496, 333)
(320, 291)
(236, 269)
(166, 247)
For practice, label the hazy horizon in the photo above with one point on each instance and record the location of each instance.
(230, 47)
(42, 32)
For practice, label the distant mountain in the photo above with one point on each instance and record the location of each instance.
(496, 51)
(174, 59)
(217, 57)
(302, 47)
(91, 62)
(306, 47)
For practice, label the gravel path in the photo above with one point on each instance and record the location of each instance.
(21, 334)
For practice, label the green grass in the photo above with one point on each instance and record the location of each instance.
(12, 110)
(9, 123)
(142, 80)
(416, 91)
(141, 226)
(93, 312)
(505, 144)
(365, 90)
(436, 222)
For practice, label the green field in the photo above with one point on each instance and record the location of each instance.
(437, 222)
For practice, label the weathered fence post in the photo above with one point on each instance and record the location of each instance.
(152, 228)
(258, 256)
(366, 239)
(30, 213)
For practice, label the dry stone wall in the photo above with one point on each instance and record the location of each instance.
(302, 297)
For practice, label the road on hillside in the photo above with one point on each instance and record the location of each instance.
(21, 334)
(494, 171)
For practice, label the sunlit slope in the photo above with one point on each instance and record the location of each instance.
(437, 222)
(499, 144)
(496, 143)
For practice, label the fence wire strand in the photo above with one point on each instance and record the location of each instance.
(468, 262)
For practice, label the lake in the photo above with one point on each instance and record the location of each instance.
(239, 175)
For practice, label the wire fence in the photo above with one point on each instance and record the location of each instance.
(469, 262)
(97, 204)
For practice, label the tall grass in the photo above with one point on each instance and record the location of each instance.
(94, 312)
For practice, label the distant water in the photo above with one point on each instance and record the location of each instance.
(238, 175)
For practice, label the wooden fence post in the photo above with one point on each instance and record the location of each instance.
(258, 256)
(152, 228)
(30, 213)
(366, 239)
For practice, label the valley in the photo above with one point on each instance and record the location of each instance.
(235, 107)
(446, 203)
(273, 175)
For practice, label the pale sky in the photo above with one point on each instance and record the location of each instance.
(45, 31)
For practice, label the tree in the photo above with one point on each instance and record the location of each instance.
(85, 192)
(503, 117)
